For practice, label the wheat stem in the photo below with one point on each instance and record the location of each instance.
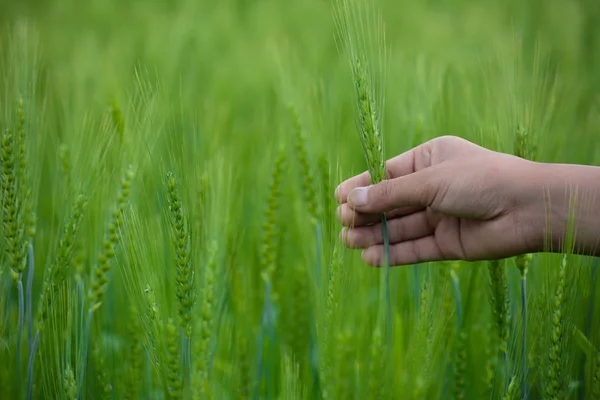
(319, 246)
(386, 280)
(554, 386)
(32, 353)
(148, 373)
(595, 389)
(459, 305)
(20, 327)
(84, 358)
(203, 356)
(265, 326)
(29, 315)
(460, 366)
(416, 287)
(522, 262)
(590, 311)
(500, 310)
(186, 344)
(524, 346)
(377, 367)
(28, 290)
(524, 147)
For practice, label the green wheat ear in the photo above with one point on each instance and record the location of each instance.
(201, 381)
(69, 385)
(180, 237)
(370, 132)
(309, 188)
(117, 118)
(100, 273)
(58, 271)
(270, 229)
(361, 32)
(363, 38)
(524, 144)
(14, 236)
(499, 302)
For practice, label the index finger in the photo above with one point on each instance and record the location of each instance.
(396, 167)
(342, 191)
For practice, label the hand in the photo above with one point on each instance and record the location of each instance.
(447, 199)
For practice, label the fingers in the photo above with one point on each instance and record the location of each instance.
(348, 217)
(403, 164)
(415, 190)
(416, 251)
(417, 159)
(401, 229)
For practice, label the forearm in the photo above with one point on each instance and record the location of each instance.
(566, 206)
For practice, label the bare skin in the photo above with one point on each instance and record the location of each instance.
(449, 199)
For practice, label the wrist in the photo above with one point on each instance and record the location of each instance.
(562, 201)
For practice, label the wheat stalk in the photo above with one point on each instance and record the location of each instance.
(202, 381)
(522, 263)
(500, 310)
(460, 366)
(344, 351)
(331, 310)
(15, 204)
(54, 277)
(356, 25)
(554, 385)
(524, 147)
(102, 268)
(134, 378)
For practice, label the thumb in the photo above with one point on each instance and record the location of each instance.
(416, 189)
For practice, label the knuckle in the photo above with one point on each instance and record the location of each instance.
(429, 190)
(415, 251)
(398, 231)
(450, 139)
(443, 141)
(384, 193)
(371, 237)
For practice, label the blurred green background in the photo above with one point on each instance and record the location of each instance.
(202, 89)
(489, 57)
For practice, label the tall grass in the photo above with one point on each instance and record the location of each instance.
(212, 269)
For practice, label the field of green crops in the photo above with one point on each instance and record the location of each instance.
(168, 218)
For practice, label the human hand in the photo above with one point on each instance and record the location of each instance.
(447, 199)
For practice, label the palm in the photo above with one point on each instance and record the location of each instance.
(462, 238)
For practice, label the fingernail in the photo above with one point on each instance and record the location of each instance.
(344, 235)
(368, 257)
(336, 194)
(358, 197)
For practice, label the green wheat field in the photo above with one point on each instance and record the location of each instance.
(168, 218)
